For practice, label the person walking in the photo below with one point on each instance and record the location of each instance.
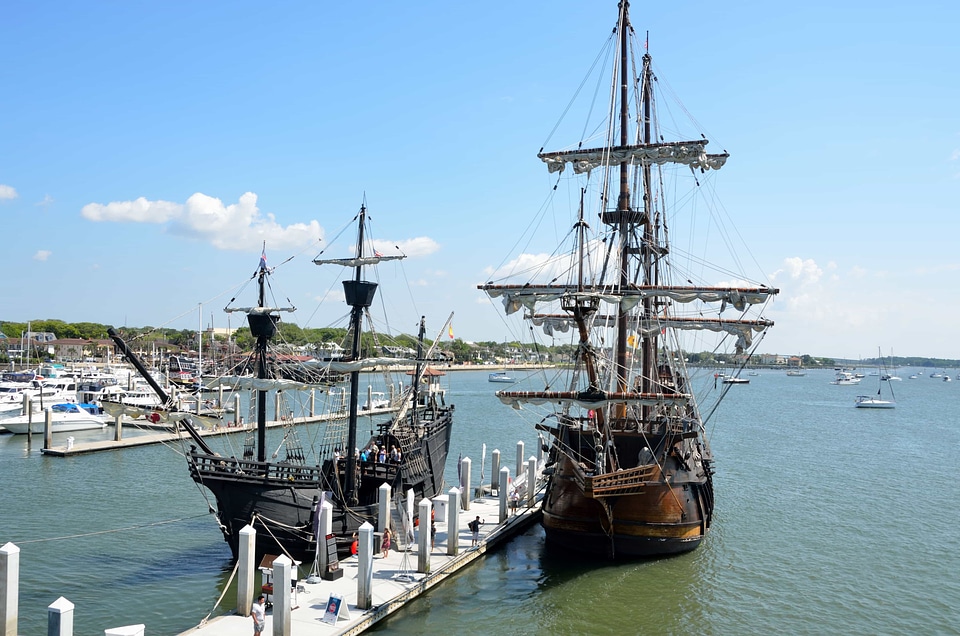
(258, 615)
(475, 529)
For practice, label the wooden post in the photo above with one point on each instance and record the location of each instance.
(47, 428)
(9, 588)
(118, 433)
(494, 470)
(236, 409)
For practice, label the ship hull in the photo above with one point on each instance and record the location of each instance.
(279, 499)
(663, 516)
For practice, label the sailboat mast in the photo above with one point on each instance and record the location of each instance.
(623, 203)
(649, 343)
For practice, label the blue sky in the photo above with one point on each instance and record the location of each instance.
(147, 150)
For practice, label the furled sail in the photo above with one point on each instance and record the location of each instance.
(589, 399)
(357, 262)
(743, 328)
(690, 153)
(518, 296)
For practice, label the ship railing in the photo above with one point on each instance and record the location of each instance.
(622, 482)
(210, 466)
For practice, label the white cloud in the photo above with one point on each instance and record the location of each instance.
(806, 272)
(45, 202)
(42, 255)
(237, 226)
(7, 192)
(420, 246)
(138, 211)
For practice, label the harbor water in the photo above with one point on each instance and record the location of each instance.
(828, 518)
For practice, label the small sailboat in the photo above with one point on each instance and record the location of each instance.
(877, 401)
(501, 376)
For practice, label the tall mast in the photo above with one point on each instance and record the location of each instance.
(263, 336)
(359, 295)
(623, 204)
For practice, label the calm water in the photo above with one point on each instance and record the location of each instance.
(829, 518)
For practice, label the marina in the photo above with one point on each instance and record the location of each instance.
(803, 563)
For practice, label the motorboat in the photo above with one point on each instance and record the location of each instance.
(500, 376)
(65, 417)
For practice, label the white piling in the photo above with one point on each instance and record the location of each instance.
(453, 523)
(423, 539)
(494, 470)
(326, 528)
(504, 480)
(465, 483)
(365, 567)
(118, 431)
(313, 402)
(531, 480)
(246, 554)
(408, 531)
(383, 507)
(369, 397)
(236, 408)
(60, 618)
(276, 406)
(519, 459)
(9, 588)
(541, 444)
(283, 581)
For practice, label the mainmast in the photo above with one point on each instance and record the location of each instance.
(359, 295)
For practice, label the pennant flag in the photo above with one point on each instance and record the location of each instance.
(450, 331)
(377, 253)
(263, 259)
(632, 341)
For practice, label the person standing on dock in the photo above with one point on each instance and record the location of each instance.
(258, 615)
(386, 542)
(475, 529)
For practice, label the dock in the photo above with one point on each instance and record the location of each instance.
(164, 434)
(396, 581)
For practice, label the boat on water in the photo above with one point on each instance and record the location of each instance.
(735, 380)
(878, 401)
(845, 378)
(501, 376)
(66, 417)
(280, 491)
(796, 373)
(630, 468)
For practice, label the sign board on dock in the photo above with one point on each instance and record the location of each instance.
(336, 609)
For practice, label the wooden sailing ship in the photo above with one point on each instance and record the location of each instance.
(279, 491)
(631, 470)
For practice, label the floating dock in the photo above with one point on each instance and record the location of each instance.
(395, 580)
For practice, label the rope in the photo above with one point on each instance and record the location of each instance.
(226, 587)
(91, 534)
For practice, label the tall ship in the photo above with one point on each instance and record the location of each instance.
(278, 487)
(630, 466)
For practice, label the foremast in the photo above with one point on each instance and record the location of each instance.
(262, 320)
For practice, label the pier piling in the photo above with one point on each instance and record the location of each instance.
(60, 618)
(9, 588)
(365, 567)
(465, 465)
(453, 523)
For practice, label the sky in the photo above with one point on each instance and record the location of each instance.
(148, 150)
